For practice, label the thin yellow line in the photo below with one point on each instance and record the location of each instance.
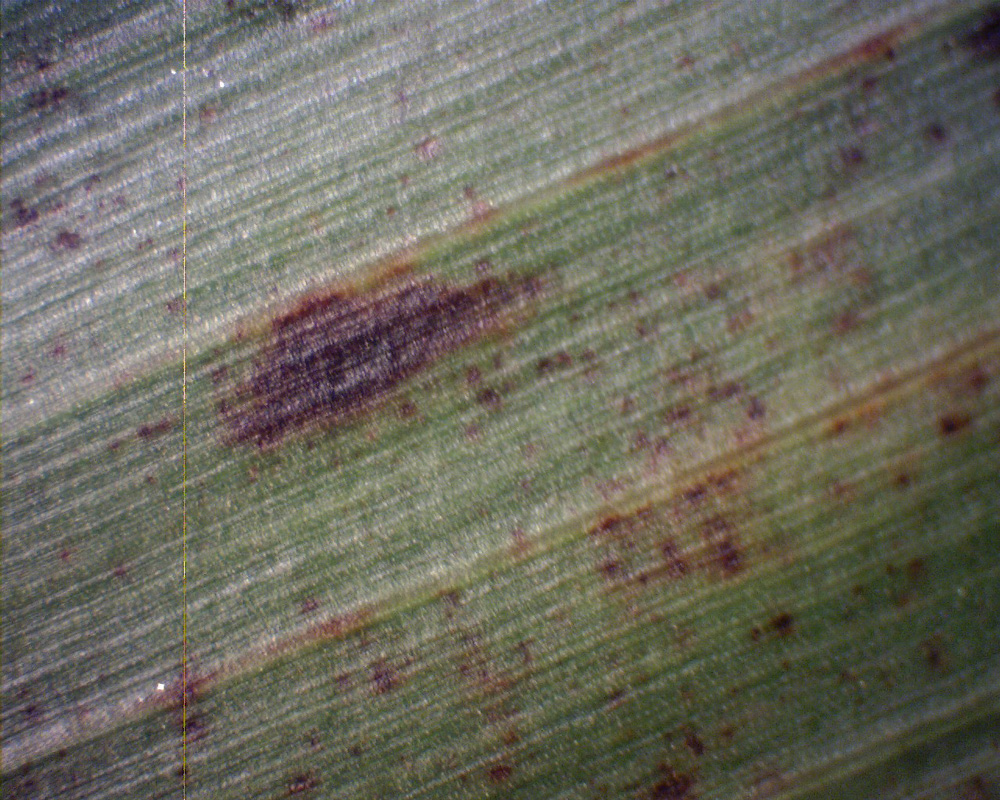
(184, 613)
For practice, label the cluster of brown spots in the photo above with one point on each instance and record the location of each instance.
(152, 430)
(557, 361)
(984, 40)
(48, 98)
(675, 564)
(672, 785)
(23, 214)
(950, 424)
(724, 552)
(337, 355)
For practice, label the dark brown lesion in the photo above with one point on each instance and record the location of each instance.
(341, 354)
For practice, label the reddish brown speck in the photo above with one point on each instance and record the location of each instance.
(674, 563)
(47, 98)
(23, 214)
(490, 398)
(309, 605)
(933, 652)
(845, 322)
(302, 783)
(935, 133)
(950, 424)
(672, 785)
(783, 624)
(756, 408)
(154, 429)
(977, 380)
(852, 156)
(694, 743)
(915, 568)
(428, 149)
(676, 414)
(500, 773)
(68, 240)
(384, 677)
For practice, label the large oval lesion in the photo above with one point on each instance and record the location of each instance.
(339, 355)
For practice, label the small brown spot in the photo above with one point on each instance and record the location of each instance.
(935, 133)
(977, 380)
(23, 214)
(309, 605)
(915, 569)
(154, 429)
(934, 654)
(302, 783)
(845, 322)
(902, 480)
(408, 409)
(384, 677)
(783, 624)
(694, 743)
(675, 565)
(725, 391)
(27, 377)
(756, 408)
(428, 149)
(500, 773)
(949, 424)
(557, 361)
(984, 40)
(175, 306)
(676, 414)
(490, 399)
(713, 291)
(67, 240)
(672, 785)
(838, 426)
(852, 156)
(611, 569)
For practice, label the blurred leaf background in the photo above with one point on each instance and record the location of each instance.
(714, 517)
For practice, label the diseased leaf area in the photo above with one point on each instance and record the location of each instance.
(337, 355)
(598, 402)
